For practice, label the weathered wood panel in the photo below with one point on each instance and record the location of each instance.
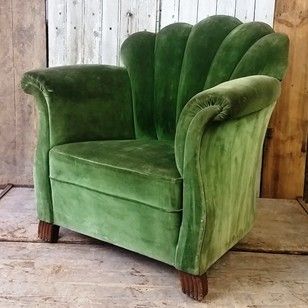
(7, 97)
(136, 15)
(29, 52)
(284, 161)
(66, 275)
(245, 10)
(226, 7)
(206, 8)
(110, 42)
(58, 31)
(22, 31)
(264, 11)
(75, 32)
(92, 31)
(169, 12)
(188, 11)
(280, 226)
(93, 16)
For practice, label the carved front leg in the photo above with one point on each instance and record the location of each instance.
(194, 286)
(48, 232)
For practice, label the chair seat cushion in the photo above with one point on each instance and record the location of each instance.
(139, 170)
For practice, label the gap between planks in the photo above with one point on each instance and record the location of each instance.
(302, 203)
(99, 243)
(5, 190)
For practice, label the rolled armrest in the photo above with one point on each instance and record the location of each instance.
(218, 149)
(232, 99)
(83, 102)
(76, 103)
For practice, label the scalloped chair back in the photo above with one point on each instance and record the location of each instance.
(168, 68)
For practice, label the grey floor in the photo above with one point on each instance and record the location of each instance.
(267, 268)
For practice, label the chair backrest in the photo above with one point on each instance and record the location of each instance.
(168, 68)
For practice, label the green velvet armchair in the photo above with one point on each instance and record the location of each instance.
(162, 156)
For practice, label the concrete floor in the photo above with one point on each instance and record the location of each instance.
(269, 267)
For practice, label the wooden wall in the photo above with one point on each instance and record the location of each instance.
(284, 161)
(22, 37)
(82, 31)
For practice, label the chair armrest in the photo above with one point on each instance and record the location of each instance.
(218, 149)
(76, 103)
(83, 102)
(232, 99)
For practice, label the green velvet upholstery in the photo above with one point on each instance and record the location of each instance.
(138, 56)
(161, 156)
(139, 170)
(169, 49)
(76, 103)
(218, 150)
(202, 45)
(227, 57)
(126, 223)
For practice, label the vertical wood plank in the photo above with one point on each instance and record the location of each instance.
(188, 11)
(29, 52)
(225, 7)
(57, 32)
(126, 20)
(264, 11)
(169, 12)
(206, 8)
(244, 10)
(76, 38)
(92, 40)
(74, 31)
(136, 15)
(7, 96)
(22, 27)
(110, 32)
(284, 160)
(146, 15)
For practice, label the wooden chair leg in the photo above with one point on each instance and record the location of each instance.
(48, 232)
(194, 286)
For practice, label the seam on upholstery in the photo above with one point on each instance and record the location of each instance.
(132, 98)
(231, 76)
(165, 179)
(42, 88)
(154, 87)
(204, 215)
(241, 56)
(177, 111)
(177, 114)
(114, 196)
(217, 50)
